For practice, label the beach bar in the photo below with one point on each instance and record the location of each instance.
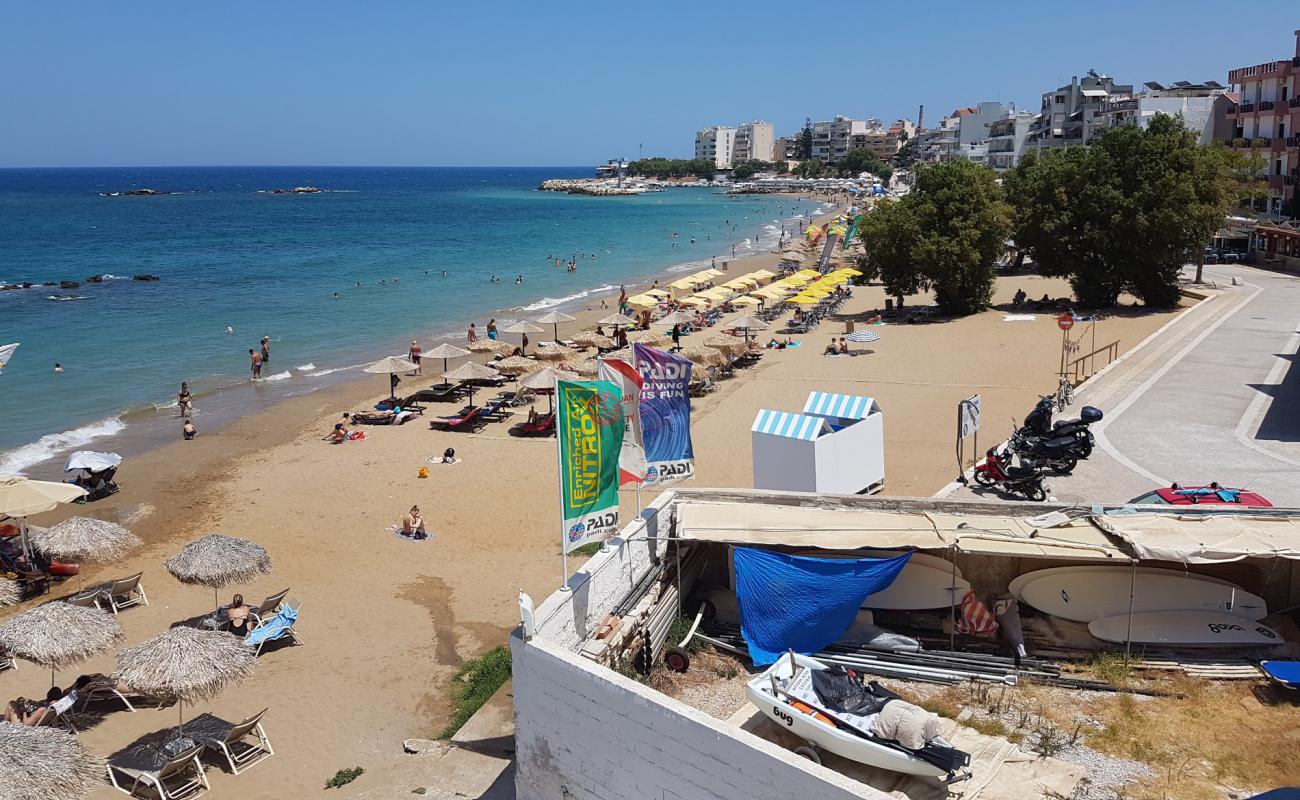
(835, 445)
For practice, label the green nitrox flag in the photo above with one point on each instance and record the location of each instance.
(589, 428)
(853, 231)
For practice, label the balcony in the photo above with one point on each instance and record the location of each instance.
(1265, 105)
(1293, 141)
(1294, 102)
(1245, 108)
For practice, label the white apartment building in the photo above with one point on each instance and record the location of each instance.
(833, 139)
(1204, 107)
(973, 122)
(716, 144)
(1069, 114)
(1006, 141)
(755, 141)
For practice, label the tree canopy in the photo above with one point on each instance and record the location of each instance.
(810, 168)
(859, 160)
(659, 167)
(803, 146)
(944, 235)
(1124, 214)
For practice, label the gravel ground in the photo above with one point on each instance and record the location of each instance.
(1102, 774)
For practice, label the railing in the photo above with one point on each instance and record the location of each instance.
(1265, 105)
(1294, 102)
(1085, 366)
(1293, 141)
(1245, 108)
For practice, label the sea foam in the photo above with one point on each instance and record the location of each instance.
(15, 461)
(551, 302)
(279, 376)
(306, 367)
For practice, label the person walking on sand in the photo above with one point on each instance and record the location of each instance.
(492, 329)
(256, 359)
(184, 400)
(266, 350)
(472, 334)
(414, 355)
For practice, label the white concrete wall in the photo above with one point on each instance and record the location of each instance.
(783, 463)
(584, 732)
(852, 458)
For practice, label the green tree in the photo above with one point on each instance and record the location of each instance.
(810, 168)
(859, 160)
(889, 233)
(1126, 213)
(803, 148)
(742, 172)
(907, 154)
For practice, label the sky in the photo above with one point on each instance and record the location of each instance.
(422, 82)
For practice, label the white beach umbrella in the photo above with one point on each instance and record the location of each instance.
(91, 460)
(522, 326)
(554, 318)
(446, 352)
(390, 365)
(21, 497)
(618, 319)
(676, 318)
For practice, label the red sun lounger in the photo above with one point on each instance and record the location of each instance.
(465, 421)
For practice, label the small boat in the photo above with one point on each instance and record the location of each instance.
(784, 693)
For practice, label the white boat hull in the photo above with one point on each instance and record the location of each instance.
(1087, 593)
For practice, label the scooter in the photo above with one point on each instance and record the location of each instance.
(1060, 454)
(997, 471)
(1039, 423)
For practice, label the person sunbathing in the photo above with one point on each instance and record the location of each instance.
(31, 713)
(831, 349)
(237, 616)
(532, 415)
(844, 346)
(98, 680)
(339, 435)
(413, 524)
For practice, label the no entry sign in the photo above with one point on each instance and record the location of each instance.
(1065, 322)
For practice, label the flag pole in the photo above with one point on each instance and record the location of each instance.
(559, 478)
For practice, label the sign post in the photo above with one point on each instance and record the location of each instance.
(968, 424)
(1065, 322)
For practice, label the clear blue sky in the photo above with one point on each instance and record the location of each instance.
(423, 82)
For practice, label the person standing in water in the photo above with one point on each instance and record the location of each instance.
(184, 400)
(256, 363)
(492, 328)
(266, 350)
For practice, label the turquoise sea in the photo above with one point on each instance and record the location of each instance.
(229, 253)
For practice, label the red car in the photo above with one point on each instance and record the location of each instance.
(1212, 495)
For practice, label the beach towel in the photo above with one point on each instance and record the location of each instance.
(397, 531)
(437, 461)
(273, 628)
(1019, 318)
(803, 603)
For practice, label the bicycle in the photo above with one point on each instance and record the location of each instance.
(1064, 392)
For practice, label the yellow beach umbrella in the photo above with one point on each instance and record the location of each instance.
(684, 284)
(643, 301)
(697, 302)
(746, 301)
(712, 273)
(716, 293)
(803, 300)
(761, 274)
(657, 293)
(849, 271)
(818, 293)
(808, 273)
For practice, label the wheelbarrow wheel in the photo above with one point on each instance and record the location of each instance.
(677, 659)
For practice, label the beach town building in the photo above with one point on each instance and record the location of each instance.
(884, 143)
(1006, 142)
(1069, 114)
(973, 122)
(1268, 116)
(940, 144)
(754, 141)
(1204, 107)
(716, 144)
(832, 139)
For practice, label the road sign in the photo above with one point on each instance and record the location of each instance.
(968, 413)
(1065, 322)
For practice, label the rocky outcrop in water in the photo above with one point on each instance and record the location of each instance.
(134, 193)
(596, 187)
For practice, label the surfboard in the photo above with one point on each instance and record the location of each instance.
(926, 581)
(1087, 593)
(1186, 628)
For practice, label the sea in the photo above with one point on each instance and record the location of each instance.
(336, 279)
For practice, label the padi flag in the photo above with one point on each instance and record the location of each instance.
(7, 352)
(631, 458)
(589, 433)
(665, 415)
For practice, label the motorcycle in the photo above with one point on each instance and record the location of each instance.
(1060, 454)
(996, 471)
(1039, 423)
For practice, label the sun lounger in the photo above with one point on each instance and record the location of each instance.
(276, 627)
(544, 426)
(1283, 673)
(144, 767)
(267, 607)
(104, 691)
(124, 593)
(87, 598)
(496, 410)
(466, 420)
(244, 745)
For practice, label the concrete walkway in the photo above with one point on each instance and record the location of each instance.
(1212, 396)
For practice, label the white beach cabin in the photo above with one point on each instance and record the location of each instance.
(835, 445)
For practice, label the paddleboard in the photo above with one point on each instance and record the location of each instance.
(925, 581)
(1086, 593)
(1186, 628)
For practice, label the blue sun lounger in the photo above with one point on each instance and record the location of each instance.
(1286, 673)
(275, 627)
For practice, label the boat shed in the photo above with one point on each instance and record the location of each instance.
(835, 445)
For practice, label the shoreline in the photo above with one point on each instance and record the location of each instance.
(145, 427)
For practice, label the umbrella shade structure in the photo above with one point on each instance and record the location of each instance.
(8, 592)
(705, 356)
(217, 561)
(618, 319)
(553, 352)
(522, 326)
(544, 381)
(863, 336)
(85, 539)
(390, 365)
(45, 764)
(58, 634)
(554, 318)
(729, 344)
(491, 346)
(642, 301)
(91, 460)
(589, 368)
(187, 663)
(594, 340)
(446, 352)
(516, 365)
(676, 318)
(747, 323)
(650, 339)
(470, 371)
(22, 497)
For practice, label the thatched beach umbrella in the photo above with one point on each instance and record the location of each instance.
(446, 352)
(516, 365)
(219, 561)
(705, 356)
(45, 764)
(390, 366)
(675, 318)
(544, 381)
(469, 372)
(728, 344)
(186, 663)
(592, 339)
(650, 339)
(618, 320)
(58, 634)
(554, 318)
(552, 351)
(8, 592)
(85, 539)
(589, 368)
(495, 346)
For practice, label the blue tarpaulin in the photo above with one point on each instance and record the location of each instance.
(801, 603)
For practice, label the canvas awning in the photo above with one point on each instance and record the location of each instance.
(1208, 539)
(830, 529)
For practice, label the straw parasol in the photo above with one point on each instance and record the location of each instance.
(522, 326)
(45, 764)
(85, 539)
(675, 318)
(58, 634)
(544, 380)
(468, 372)
(554, 318)
(618, 319)
(705, 356)
(8, 592)
(446, 352)
(747, 324)
(593, 339)
(589, 368)
(495, 346)
(187, 663)
(722, 341)
(217, 561)
(650, 339)
(553, 352)
(390, 365)
(515, 365)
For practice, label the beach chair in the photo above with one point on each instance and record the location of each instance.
(244, 745)
(87, 598)
(267, 607)
(544, 426)
(105, 691)
(466, 420)
(275, 627)
(169, 778)
(496, 410)
(1283, 673)
(124, 593)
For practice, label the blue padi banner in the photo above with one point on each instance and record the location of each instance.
(665, 415)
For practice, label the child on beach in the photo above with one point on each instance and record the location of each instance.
(188, 430)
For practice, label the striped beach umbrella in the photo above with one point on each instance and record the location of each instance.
(861, 337)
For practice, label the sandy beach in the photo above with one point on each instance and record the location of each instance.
(385, 621)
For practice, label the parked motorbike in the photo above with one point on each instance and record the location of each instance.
(1039, 423)
(997, 471)
(1060, 454)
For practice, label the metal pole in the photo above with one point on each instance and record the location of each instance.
(1128, 634)
(961, 455)
(1064, 335)
(952, 634)
(559, 477)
